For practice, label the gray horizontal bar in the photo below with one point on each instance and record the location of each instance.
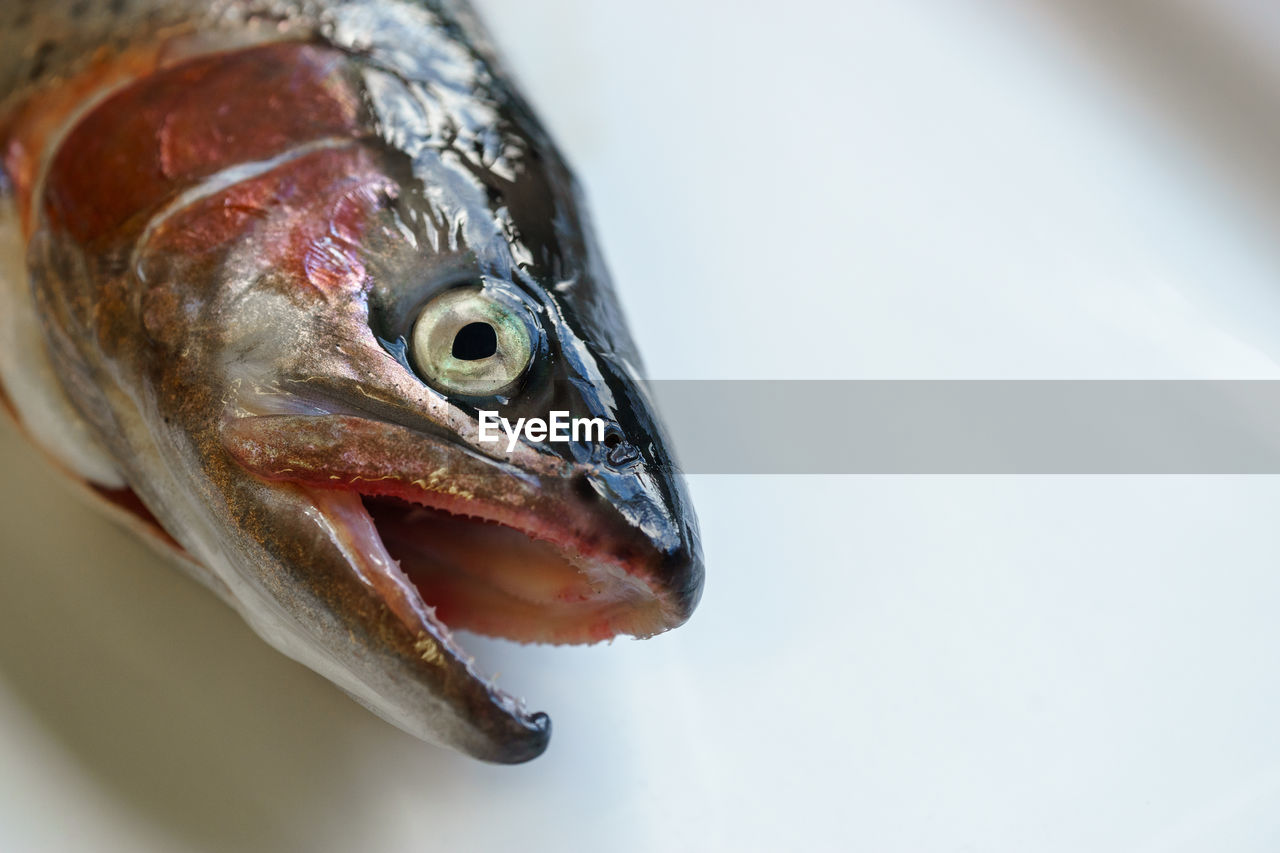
(972, 427)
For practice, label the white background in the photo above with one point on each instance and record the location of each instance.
(856, 189)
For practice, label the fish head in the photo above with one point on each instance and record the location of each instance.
(302, 365)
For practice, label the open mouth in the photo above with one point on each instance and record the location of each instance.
(476, 574)
(483, 577)
(453, 541)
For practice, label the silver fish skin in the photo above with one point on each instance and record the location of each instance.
(264, 266)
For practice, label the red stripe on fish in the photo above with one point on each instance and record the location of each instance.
(26, 132)
(167, 131)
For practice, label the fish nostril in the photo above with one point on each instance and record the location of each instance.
(618, 451)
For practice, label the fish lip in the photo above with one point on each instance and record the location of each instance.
(315, 446)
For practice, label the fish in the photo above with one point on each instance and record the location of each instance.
(264, 267)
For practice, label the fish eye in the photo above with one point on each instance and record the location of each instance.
(467, 342)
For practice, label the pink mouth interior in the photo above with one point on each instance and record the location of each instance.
(490, 579)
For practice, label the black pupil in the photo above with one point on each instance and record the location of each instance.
(475, 341)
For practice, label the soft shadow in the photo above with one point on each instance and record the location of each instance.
(166, 698)
(1182, 61)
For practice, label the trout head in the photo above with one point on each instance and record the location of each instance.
(293, 357)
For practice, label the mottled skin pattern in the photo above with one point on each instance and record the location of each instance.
(225, 252)
(41, 39)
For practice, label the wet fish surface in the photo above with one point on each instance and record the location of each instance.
(263, 266)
